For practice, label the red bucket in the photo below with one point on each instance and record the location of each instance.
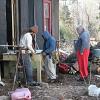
(63, 68)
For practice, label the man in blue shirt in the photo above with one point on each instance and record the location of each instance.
(48, 48)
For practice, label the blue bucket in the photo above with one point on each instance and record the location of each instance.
(96, 52)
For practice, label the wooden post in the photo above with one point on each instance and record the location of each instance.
(1, 83)
(39, 68)
(37, 64)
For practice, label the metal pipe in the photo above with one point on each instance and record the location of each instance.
(9, 46)
(12, 10)
(17, 20)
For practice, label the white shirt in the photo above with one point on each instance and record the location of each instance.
(26, 42)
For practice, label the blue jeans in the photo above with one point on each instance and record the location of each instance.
(27, 63)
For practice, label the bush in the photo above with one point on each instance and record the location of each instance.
(65, 32)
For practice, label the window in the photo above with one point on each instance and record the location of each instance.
(47, 15)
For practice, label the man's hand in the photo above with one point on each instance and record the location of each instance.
(33, 52)
(43, 53)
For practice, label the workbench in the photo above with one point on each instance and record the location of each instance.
(6, 57)
(37, 59)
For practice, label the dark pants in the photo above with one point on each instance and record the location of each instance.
(27, 63)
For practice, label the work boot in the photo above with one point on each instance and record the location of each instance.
(34, 83)
(53, 81)
(80, 79)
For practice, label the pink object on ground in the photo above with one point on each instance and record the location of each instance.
(21, 94)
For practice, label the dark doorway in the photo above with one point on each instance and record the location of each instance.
(9, 21)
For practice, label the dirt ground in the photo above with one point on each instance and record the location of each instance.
(67, 89)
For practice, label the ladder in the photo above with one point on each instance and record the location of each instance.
(20, 70)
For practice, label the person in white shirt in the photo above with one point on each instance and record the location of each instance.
(27, 49)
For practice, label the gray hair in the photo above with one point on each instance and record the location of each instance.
(80, 29)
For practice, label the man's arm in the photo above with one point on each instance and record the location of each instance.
(29, 44)
(51, 48)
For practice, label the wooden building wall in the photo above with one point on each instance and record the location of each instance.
(3, 28)
(55, 18)
(30, 13)
(39, 21)
(24, 14)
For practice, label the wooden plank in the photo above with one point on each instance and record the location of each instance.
(8, 57)
(37, 63)
(39, 69)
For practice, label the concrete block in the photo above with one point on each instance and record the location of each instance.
(4, 98)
